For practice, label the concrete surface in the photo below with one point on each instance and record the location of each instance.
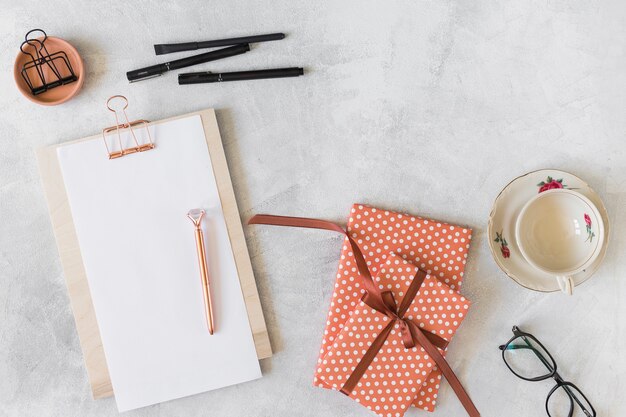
(428, 107)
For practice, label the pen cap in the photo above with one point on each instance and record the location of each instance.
(148, 72)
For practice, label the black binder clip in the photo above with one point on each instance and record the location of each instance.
(45, 70)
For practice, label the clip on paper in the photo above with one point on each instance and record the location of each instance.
(122, 150)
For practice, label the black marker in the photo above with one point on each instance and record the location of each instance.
(156, 70)
(209, 77)
(192, 46)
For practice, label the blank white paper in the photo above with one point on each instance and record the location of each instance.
(139, 253)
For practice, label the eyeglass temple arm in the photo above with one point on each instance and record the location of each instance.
(574, 397)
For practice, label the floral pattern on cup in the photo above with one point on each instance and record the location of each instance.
(551, 184)
(504, 246)
(590, 234)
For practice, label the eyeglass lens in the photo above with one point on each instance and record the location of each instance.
(566, 399)
(527, 359)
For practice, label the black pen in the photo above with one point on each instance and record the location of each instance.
(156, 70)
(209, 77)
(192, 46)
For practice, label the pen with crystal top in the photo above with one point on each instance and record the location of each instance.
(196, 216)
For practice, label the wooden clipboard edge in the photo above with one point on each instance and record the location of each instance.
(235, 232)
(74, 271)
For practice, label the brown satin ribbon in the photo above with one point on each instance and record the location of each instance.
(383, 302)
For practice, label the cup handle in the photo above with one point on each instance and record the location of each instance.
(566, 284)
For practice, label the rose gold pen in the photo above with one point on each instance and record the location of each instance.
(196, 216)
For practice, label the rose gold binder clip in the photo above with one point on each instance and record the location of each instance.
(127, 125)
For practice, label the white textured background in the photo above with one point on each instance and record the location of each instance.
(424, 107)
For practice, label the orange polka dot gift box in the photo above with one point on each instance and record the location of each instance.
(394, 309)
(393, 379)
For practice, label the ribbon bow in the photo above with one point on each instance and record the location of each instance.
(384, 302)
(410, 333)
(408, 328)
(406, 331)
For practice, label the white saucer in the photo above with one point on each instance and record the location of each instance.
(502, 223)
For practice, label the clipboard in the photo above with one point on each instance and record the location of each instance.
(74, 271)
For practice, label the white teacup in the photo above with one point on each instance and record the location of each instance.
(560, 232)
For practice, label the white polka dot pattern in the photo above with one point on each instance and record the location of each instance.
(395, 377)
(438, 248)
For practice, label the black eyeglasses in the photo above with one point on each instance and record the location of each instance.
(528, 359)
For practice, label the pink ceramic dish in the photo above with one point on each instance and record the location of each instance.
(59, 94)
